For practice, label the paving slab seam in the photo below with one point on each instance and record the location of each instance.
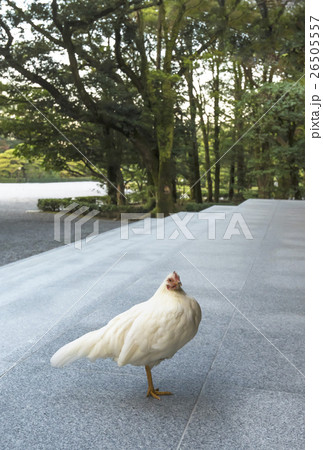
(213, 362)
(27, 354)
(204, 382)
(21, 359)
(39, 339)
(64, 331)
(274, 211)
(74, 409)
(224, 335)
(259, 331)
(244, 316)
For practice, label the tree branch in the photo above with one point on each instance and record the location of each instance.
(66, 33)
(62, 101)
(74, 172)
(85, 96)
(38, 28)
(6, 49)
(170, 44)
(56, 20)
(110, 9)
(140, 43)
(121, 62)
(94, 172)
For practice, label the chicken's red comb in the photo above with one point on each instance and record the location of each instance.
(176, 276)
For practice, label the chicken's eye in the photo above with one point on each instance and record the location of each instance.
(169, 280)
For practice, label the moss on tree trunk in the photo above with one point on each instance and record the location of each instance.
(165, 135)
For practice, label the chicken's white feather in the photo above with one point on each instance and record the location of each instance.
(145, 334)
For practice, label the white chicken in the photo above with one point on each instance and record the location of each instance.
(144, 335)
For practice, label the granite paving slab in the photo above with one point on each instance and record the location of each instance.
(238, 384)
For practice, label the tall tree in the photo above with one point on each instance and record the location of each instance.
(205, 127)
(238, 131)
(119, 81)
(216, 118)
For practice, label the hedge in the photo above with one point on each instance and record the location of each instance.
(92, 203)
(101, 204)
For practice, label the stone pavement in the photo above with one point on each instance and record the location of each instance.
(237, 385)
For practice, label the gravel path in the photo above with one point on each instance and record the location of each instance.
(24, 231)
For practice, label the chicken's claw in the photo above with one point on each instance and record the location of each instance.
(156, 392)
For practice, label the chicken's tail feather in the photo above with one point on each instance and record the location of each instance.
(84, 347)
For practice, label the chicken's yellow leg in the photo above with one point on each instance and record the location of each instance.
(151, 390)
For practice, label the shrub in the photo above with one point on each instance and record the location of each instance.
(53, 204)
(109, 210)
(92, 203)
(195, 207)
(96, 199)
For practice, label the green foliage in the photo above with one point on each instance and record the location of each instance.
(92, 203)
(14, 167)
(53, 204)
(122, 92)
(277, 143)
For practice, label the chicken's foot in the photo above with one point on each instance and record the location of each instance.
(155, 393)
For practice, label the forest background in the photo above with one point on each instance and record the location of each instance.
(164, 101)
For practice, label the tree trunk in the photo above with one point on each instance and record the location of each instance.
(265, 178)
(121, 198)
(161, 94)
(231, 179)
(239, 148)
(194, 178)
(165, 136)
(294, 169)
(216, 142)
(196, 185)
(174, 190)
(116, 192)
(149, 156)
(165, 199)
(113, 144)
(162, 102)
(151, 185)
(294, 179)
(205, 131)
(283, 188)
(205, 127)
(264, 185)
